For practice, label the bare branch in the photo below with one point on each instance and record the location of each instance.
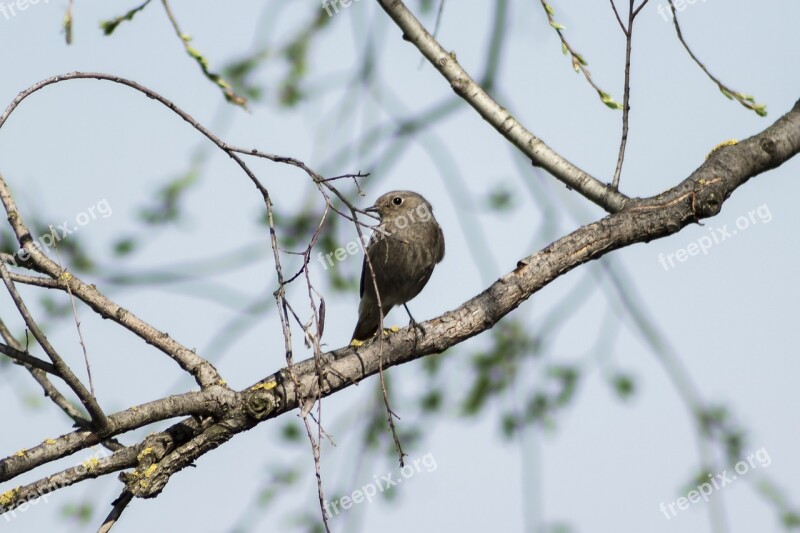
(626, 107)
(62, 369)
(744, 99)
(120, 504)
(213, 401)
(50, 390)
(28, 359)
(699, 196)
(464, 86)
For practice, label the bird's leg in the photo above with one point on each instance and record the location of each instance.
(413, 323)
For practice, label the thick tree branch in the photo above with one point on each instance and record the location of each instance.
(219, 413)
(496, 115)
(700, 196)
(214, 401)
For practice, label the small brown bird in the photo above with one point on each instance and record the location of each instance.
(403, 252)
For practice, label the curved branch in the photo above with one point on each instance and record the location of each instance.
(699, 196)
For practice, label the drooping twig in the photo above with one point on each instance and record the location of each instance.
(579, 64)
(219, 81)
(108, 26)
(746, 100)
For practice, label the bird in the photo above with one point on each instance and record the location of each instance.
(403, 251)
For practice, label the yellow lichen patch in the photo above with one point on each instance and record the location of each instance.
(150, 470)
(222, 382)
(50, 441)
(91, 463)
(355, 343)
(144, 453)
(21, 453)
(729, 142)
(65, 276)
(393, 329)
(8, 497)
(265, 386)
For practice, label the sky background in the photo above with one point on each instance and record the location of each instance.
(729, 316)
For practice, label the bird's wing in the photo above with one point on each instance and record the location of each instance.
(364, 269)
(441, 241)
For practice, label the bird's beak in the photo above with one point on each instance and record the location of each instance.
(373, 209)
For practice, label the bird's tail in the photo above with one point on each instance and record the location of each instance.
(368, 323)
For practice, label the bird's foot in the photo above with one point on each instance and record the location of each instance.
(416, 325)
(355, 343)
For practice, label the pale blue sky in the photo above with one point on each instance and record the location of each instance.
(730, 315)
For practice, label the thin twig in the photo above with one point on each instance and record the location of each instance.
(230, 95)
(50, 390)
(120, 504)
(65, 276)
(626, 107)
(746, 100)
(28, 359)
(64, 372)
(315, 445)
(579, 64)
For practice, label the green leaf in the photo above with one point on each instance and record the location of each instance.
(124, 246)
(290, 432)
(509, 424)
(108, 26)
(432, 401)
(609, 101)
(624, 385)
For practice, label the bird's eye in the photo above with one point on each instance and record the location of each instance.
(397, 200)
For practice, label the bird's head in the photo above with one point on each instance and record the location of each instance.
(408, 204)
